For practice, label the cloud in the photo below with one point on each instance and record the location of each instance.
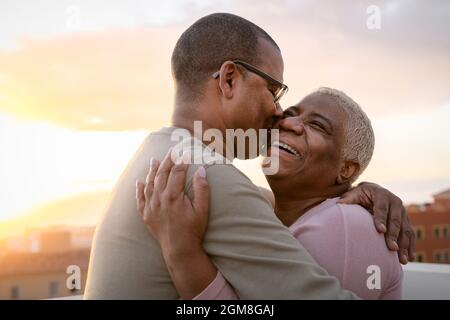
(384, 80)
(108, 80)
(402, 68)
(118, 78)
(414, 24)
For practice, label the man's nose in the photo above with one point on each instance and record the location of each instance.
(278, 110)
(278, 113)
(293, 124)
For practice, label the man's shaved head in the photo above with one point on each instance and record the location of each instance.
(210, 41)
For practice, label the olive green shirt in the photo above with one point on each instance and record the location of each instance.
(252, 249)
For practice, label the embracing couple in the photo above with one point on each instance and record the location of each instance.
(204, 231)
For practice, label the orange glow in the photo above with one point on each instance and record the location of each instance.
(76, 104)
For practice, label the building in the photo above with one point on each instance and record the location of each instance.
(51, 239)
(38, 264)
(431, 224)
(25, 276)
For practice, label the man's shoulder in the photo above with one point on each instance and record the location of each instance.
(224, 180)
(227, 172)
(223, 177)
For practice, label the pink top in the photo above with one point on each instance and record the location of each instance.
(343, 240)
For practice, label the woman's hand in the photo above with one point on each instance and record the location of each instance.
(177, 224)
(389, 216)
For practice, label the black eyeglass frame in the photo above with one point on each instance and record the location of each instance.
(282, 88)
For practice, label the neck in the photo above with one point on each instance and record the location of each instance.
(187, 113)
(290, 206)
(289, 210)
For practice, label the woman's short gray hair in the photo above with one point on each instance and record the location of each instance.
(359, 136)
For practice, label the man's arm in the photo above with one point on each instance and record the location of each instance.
(245, 240)
(126, 261)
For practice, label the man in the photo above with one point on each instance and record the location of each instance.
(249, 245)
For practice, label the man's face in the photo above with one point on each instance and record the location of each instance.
(254, 105)
(311, 140)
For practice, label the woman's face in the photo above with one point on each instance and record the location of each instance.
(310, 143)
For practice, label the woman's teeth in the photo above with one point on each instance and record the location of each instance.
(287, 148)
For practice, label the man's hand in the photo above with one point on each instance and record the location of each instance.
(389, 216)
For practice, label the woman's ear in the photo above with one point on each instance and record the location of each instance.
(348, 171)
(227, 78)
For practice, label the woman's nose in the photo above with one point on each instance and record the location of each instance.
(294, 124)
(278, 115)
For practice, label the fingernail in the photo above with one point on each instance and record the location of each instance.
(152, 162)
(176, 158)
(395, 245)
(383, 228)
(405, 259)
(186, 158)
(202, 172)
(137, 189)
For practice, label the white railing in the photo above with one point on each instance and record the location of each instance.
(421, 281)
(426, 281)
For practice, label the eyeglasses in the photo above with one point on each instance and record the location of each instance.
(281, 90)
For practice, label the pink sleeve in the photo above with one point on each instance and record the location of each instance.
(219, 289)
(395, 292)
(366, 249)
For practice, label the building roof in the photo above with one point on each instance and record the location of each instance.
(443, 195)
(42, 263)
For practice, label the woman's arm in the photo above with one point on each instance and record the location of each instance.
(197, 278)
(180, 229)
(191, 270)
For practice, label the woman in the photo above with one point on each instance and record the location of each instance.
(325, 142)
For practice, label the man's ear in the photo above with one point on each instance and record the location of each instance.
(227, 78)
(348, 171)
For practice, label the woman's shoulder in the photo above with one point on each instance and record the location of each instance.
(330, 212)
(368, 253)
(343, 239)
(356, 216)
(359, 227)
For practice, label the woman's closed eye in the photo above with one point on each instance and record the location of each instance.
(288, 113)
(318, 125)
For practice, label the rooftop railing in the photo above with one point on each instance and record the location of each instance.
(421, 281)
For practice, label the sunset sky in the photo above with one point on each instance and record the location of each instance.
(83, 82)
